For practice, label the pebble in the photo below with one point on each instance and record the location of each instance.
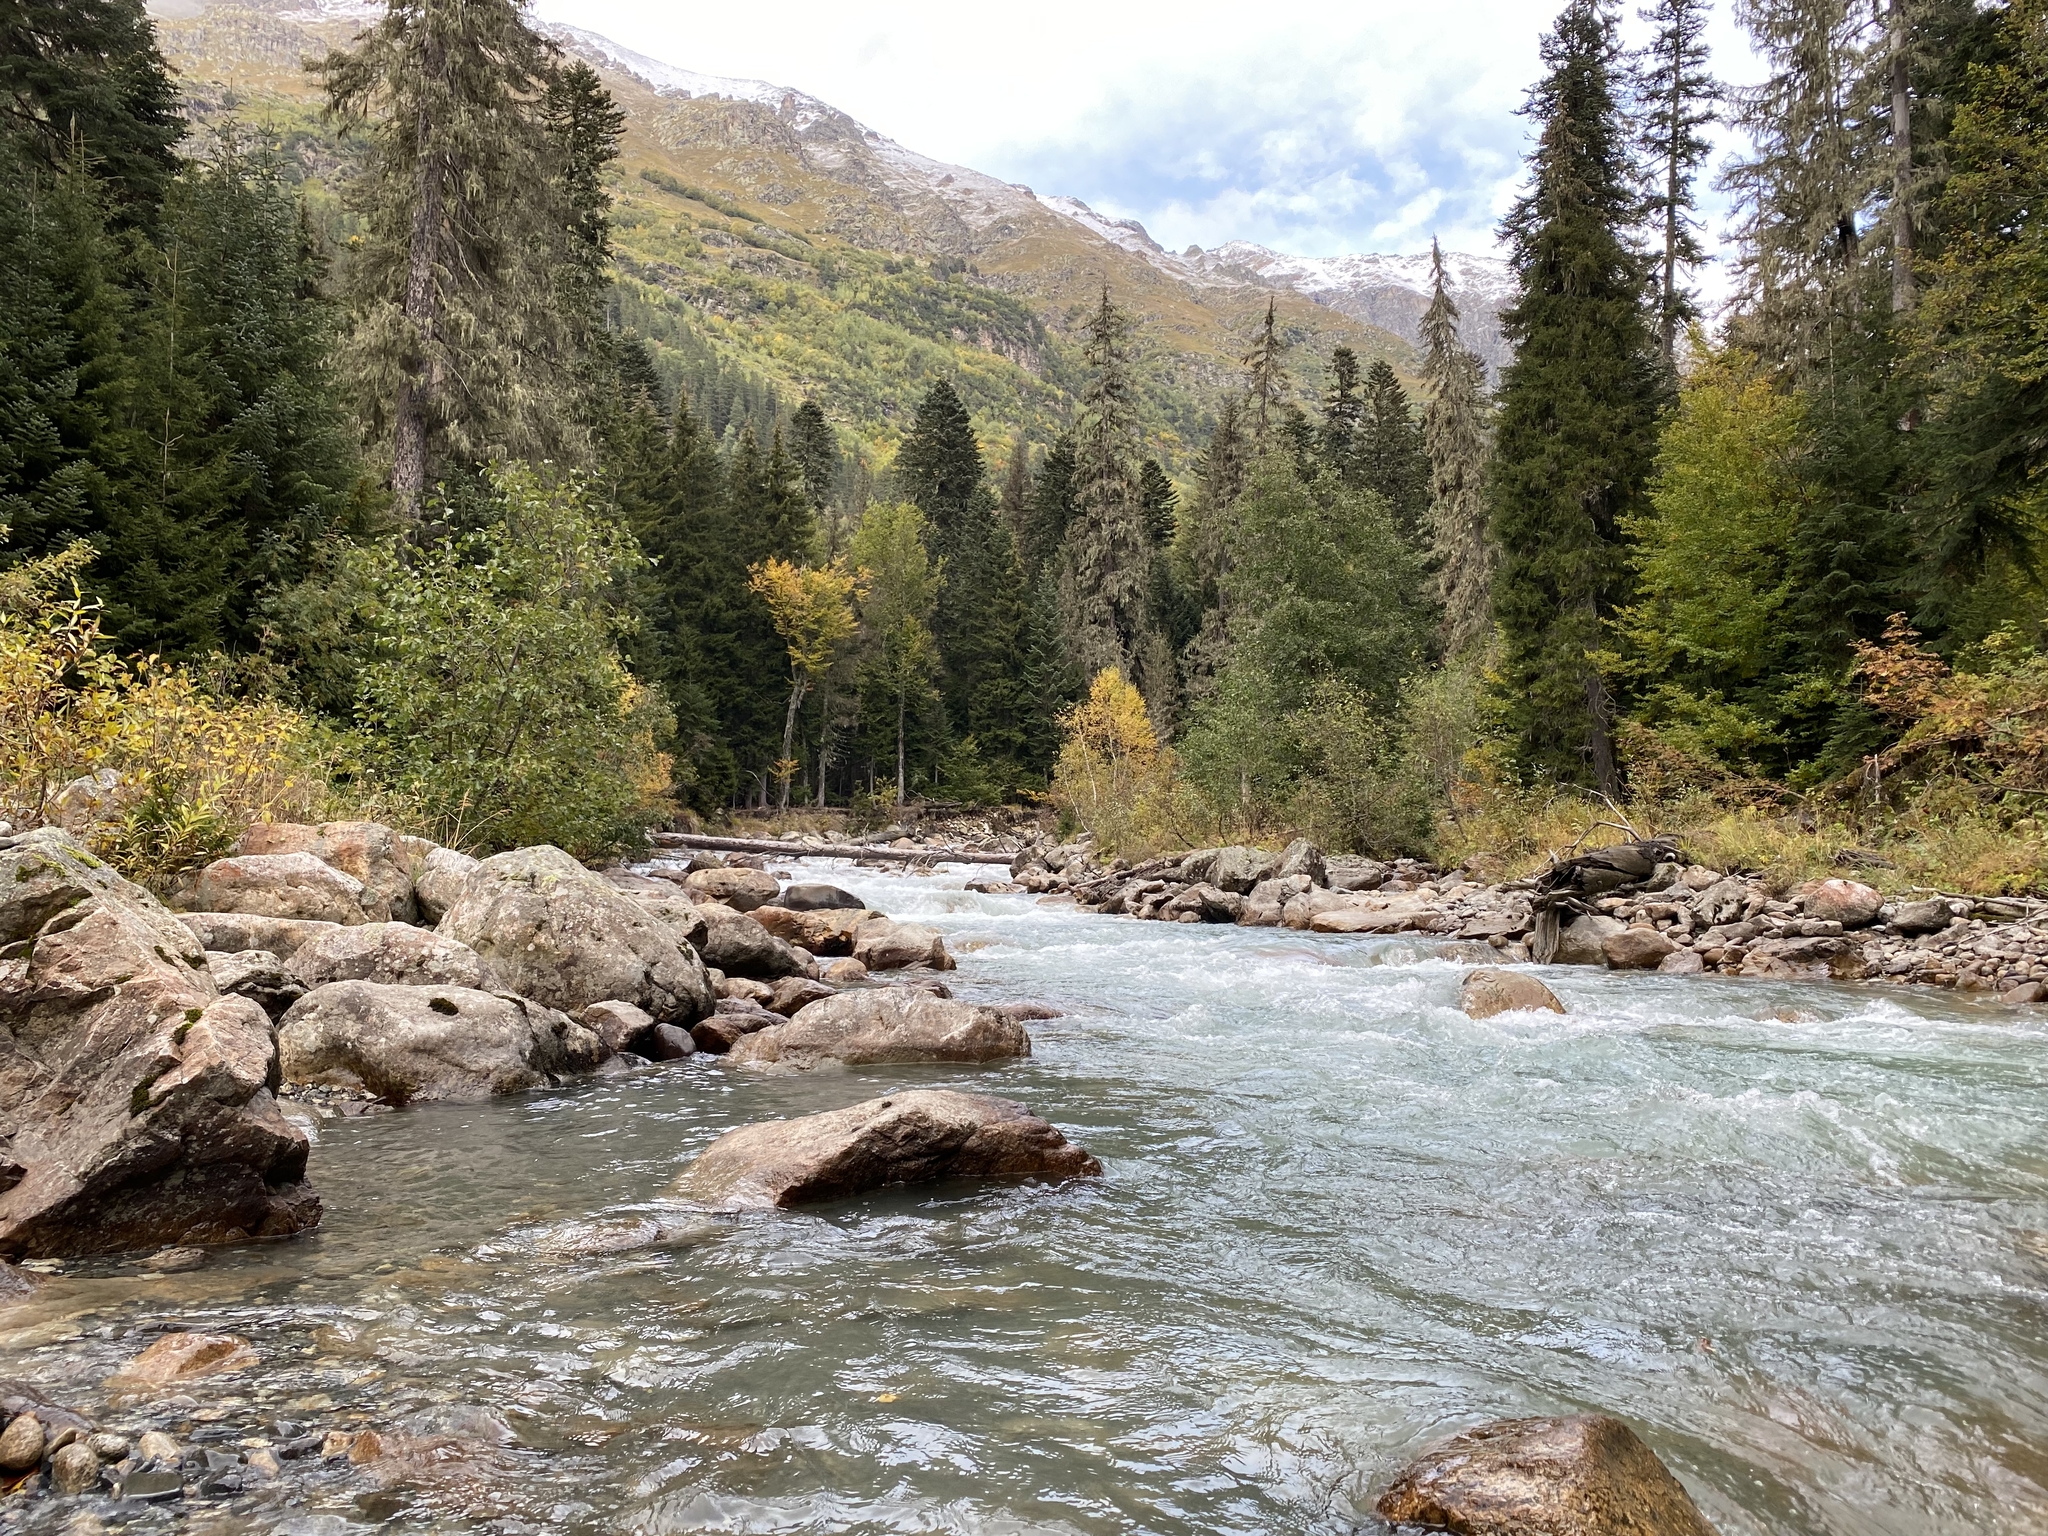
(74, 1469)
(109, 1446)
(157, 1446)
(175, 1261)
(21, 1445)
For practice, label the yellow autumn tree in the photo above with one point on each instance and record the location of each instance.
(1113, 777)
(812, 609)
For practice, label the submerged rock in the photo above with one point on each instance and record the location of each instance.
(1587, 1475)
(135, 1102)
(915, 1137)
(1485, 993)
(876, 1025)
(182, 1357)
(411, 1044)
(549, 929)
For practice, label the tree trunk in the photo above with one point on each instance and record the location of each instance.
(899, 748)
(1903, 294)
(1600, 737)
(783, 768)
(409, 408)
(824, 741)
(1669, 327)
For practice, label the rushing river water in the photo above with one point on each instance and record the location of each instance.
(1793, 1233)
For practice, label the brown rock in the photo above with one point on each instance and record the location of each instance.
(621, 1026)
(2025, 992)
(135, 1102)
(881, 944)
(1636, 949)
(1848, 902)
(1377, 914)
(842, 971)
(1681, 962)
(293, 885)
(382, 861)
(741, 889)
(1587, 1475)
(913, 1137)
(1485, 993)
(796, 992)
(876, 1025)
(823, 931)
(182, 1357)
(1583, 940)
(21, 1443)
(74, 1469)
(745, 987)
(1818, 959)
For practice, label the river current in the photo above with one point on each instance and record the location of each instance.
(1796, 1234)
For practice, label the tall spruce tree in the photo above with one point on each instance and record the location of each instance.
(1266, 382)
(1678, 101)
(1454, 438)
(1388, 456)
(1342, 408)
(1105, 577)
(1051, 509)
(461, 348)
(1578, 409)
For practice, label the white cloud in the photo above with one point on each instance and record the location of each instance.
(1317, 128)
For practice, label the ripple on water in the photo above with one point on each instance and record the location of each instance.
(1783, 1229)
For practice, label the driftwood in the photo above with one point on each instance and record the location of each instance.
(789, 850)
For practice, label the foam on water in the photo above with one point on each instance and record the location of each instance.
(1786, 1230)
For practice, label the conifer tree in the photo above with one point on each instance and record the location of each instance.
(940, 469)
(460, 344)
(816, 451)
(1013, 501)
(1388, 455)
(1578, 410)
(1158, 498)
(1677, 105)
(1455, 440)
(1105, 575)
(1052, 506)
(1342, 408)
(1266, 381)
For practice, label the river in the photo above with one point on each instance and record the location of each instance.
(1794, 1233)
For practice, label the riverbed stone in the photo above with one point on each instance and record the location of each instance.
(391, 954)
(1583, 940)
(373, 855)
(258, 975)
(414, 1044)
(1636, 949)
(1807, 959)
(1585, 1475)
(21, 1443)
(914, 1137)
(735, 1019)
(1238, 868)
(180, 1357)
(621, 1026)
(882, 944)
(739, 946)
(741, 889)
(1489, 991)
(234, 933)
(439, 880)
(885, 1025)
(793, 993)
(135, 1102)
(1303, 858)
(548, 929)
(822, 931)
(294, 885)
(1848, 902)
(1681, 962)
(1913, 918)
(74, 1469)
(821, 898)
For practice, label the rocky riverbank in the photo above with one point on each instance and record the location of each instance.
(1640, 906)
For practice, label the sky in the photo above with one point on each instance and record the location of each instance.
(1313, 128)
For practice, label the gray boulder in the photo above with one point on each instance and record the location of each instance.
(546, 928)
(1848, 902)
(135, 1102)
(258, 975)
(233, 932)
(1237, 869)
(881, 944)
(913, 1137)
(1587, 1475)
(820, 898)
(1354, 874)
(292, 885)
(438, 882)
(381, 860)
(413, 1044)
(1583, 940)
(1912, 918)
(1302, 857)
(885, 1025)
(739, 946)
(390, 954)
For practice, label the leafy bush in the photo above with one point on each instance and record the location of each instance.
(1114, 779)
(495, 711)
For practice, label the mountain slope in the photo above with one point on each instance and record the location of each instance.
(772, 248)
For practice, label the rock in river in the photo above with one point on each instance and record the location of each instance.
(407, 1044)
(821, 898)
(739, 946)
(135, 1102)
(1636, 949)
(741, 889)
(1587, 1475)
(883, 945)
(894, 1024)
(913, 1137)
(549, 929)
(1487, 992)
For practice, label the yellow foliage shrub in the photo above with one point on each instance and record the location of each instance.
(1113, 779)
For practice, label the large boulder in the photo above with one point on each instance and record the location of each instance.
(1302, 857)
(821, 898)
(1587, 1475)
(260, 976)
(233, 932)
(885, 1025)
(1237, 869)
(1486, 992)
(739, 946)
(294, 885)
(1913, 918)
(549, 929)
(438, 881)
(1583, 940)
(914, 1137)
(882, 944)
(383, 861)
(741, 889)
(135, 1102)
(413, 1044)
(822, 930)
(391, 954)
(1636, 949)
(1848, 902)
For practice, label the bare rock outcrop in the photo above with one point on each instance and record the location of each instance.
(1586, 1475)
(913, 1137)
(885, 1024)
(548, 929)
(135, 1101)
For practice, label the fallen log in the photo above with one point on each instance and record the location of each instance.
(789, 850)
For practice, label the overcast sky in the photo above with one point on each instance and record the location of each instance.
(1313, 128)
